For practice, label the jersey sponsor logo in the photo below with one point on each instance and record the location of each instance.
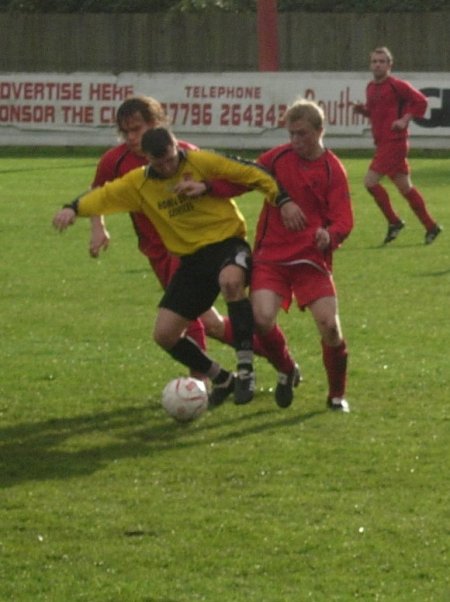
(183, 208)
(176, 205)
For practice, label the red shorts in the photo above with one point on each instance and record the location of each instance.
(390, 158)
(303, 281)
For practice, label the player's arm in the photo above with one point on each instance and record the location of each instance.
(414, 104)
(114, 197)
(292, 216)
(361, 109)
(100, 237)
(340, 212)
(217, 188)
(238, 171)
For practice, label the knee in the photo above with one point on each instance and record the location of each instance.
(232, 286)
(232, 291)
(264, 320)
(404, 190)
(370, 183)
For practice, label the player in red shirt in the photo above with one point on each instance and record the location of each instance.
(293, 248)
(391, 103)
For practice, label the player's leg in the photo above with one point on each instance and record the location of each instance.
(219, 327)
(232, 282)
(164, 265)
(215, 326)
(168, 333)
(381, 197)
(232, 259)
(266, 304)
(417, 203)
(187, 296)
(334, 350)
(272, 289)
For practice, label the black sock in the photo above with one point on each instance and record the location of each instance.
(241, 318)
(190, 354)
(221, 377)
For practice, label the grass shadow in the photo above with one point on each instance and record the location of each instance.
(65, 448)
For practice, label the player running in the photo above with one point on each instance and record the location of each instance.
(391, 103)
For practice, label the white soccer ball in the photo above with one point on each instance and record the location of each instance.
(185, 398)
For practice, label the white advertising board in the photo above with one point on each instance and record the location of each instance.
(222, 110)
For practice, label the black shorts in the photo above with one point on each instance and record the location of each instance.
(195, 285)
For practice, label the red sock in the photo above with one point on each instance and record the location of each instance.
(382, 200)
(227, 331)
(258, 346)
(417, 204)
(335, 362)
(275, 349)
(196, 331)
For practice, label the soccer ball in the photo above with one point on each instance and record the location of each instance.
(185, 398)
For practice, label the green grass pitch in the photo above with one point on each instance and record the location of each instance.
(105, 499)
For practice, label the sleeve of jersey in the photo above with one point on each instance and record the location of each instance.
(118, 196)
(340, 212)
(104, 172)
(366, 110)
(225, 189)
(245, 173)
(415, 102)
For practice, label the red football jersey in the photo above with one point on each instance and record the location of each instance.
(320, 189)
(390, 100)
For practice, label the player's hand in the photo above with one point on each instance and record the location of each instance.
(292, 216)
(400, 124)
(64, 218)
(100, 238)
(323, 239)
(190, 188)
(359, 108)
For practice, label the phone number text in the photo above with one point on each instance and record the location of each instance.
(225, 114)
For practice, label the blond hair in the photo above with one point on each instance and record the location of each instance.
(305, 109)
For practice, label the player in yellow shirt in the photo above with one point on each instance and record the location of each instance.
(209, 235)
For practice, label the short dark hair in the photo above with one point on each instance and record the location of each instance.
(157, 141)
(383, 50)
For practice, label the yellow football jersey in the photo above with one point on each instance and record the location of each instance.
(185, 224)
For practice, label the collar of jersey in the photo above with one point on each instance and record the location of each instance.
(151, 173)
